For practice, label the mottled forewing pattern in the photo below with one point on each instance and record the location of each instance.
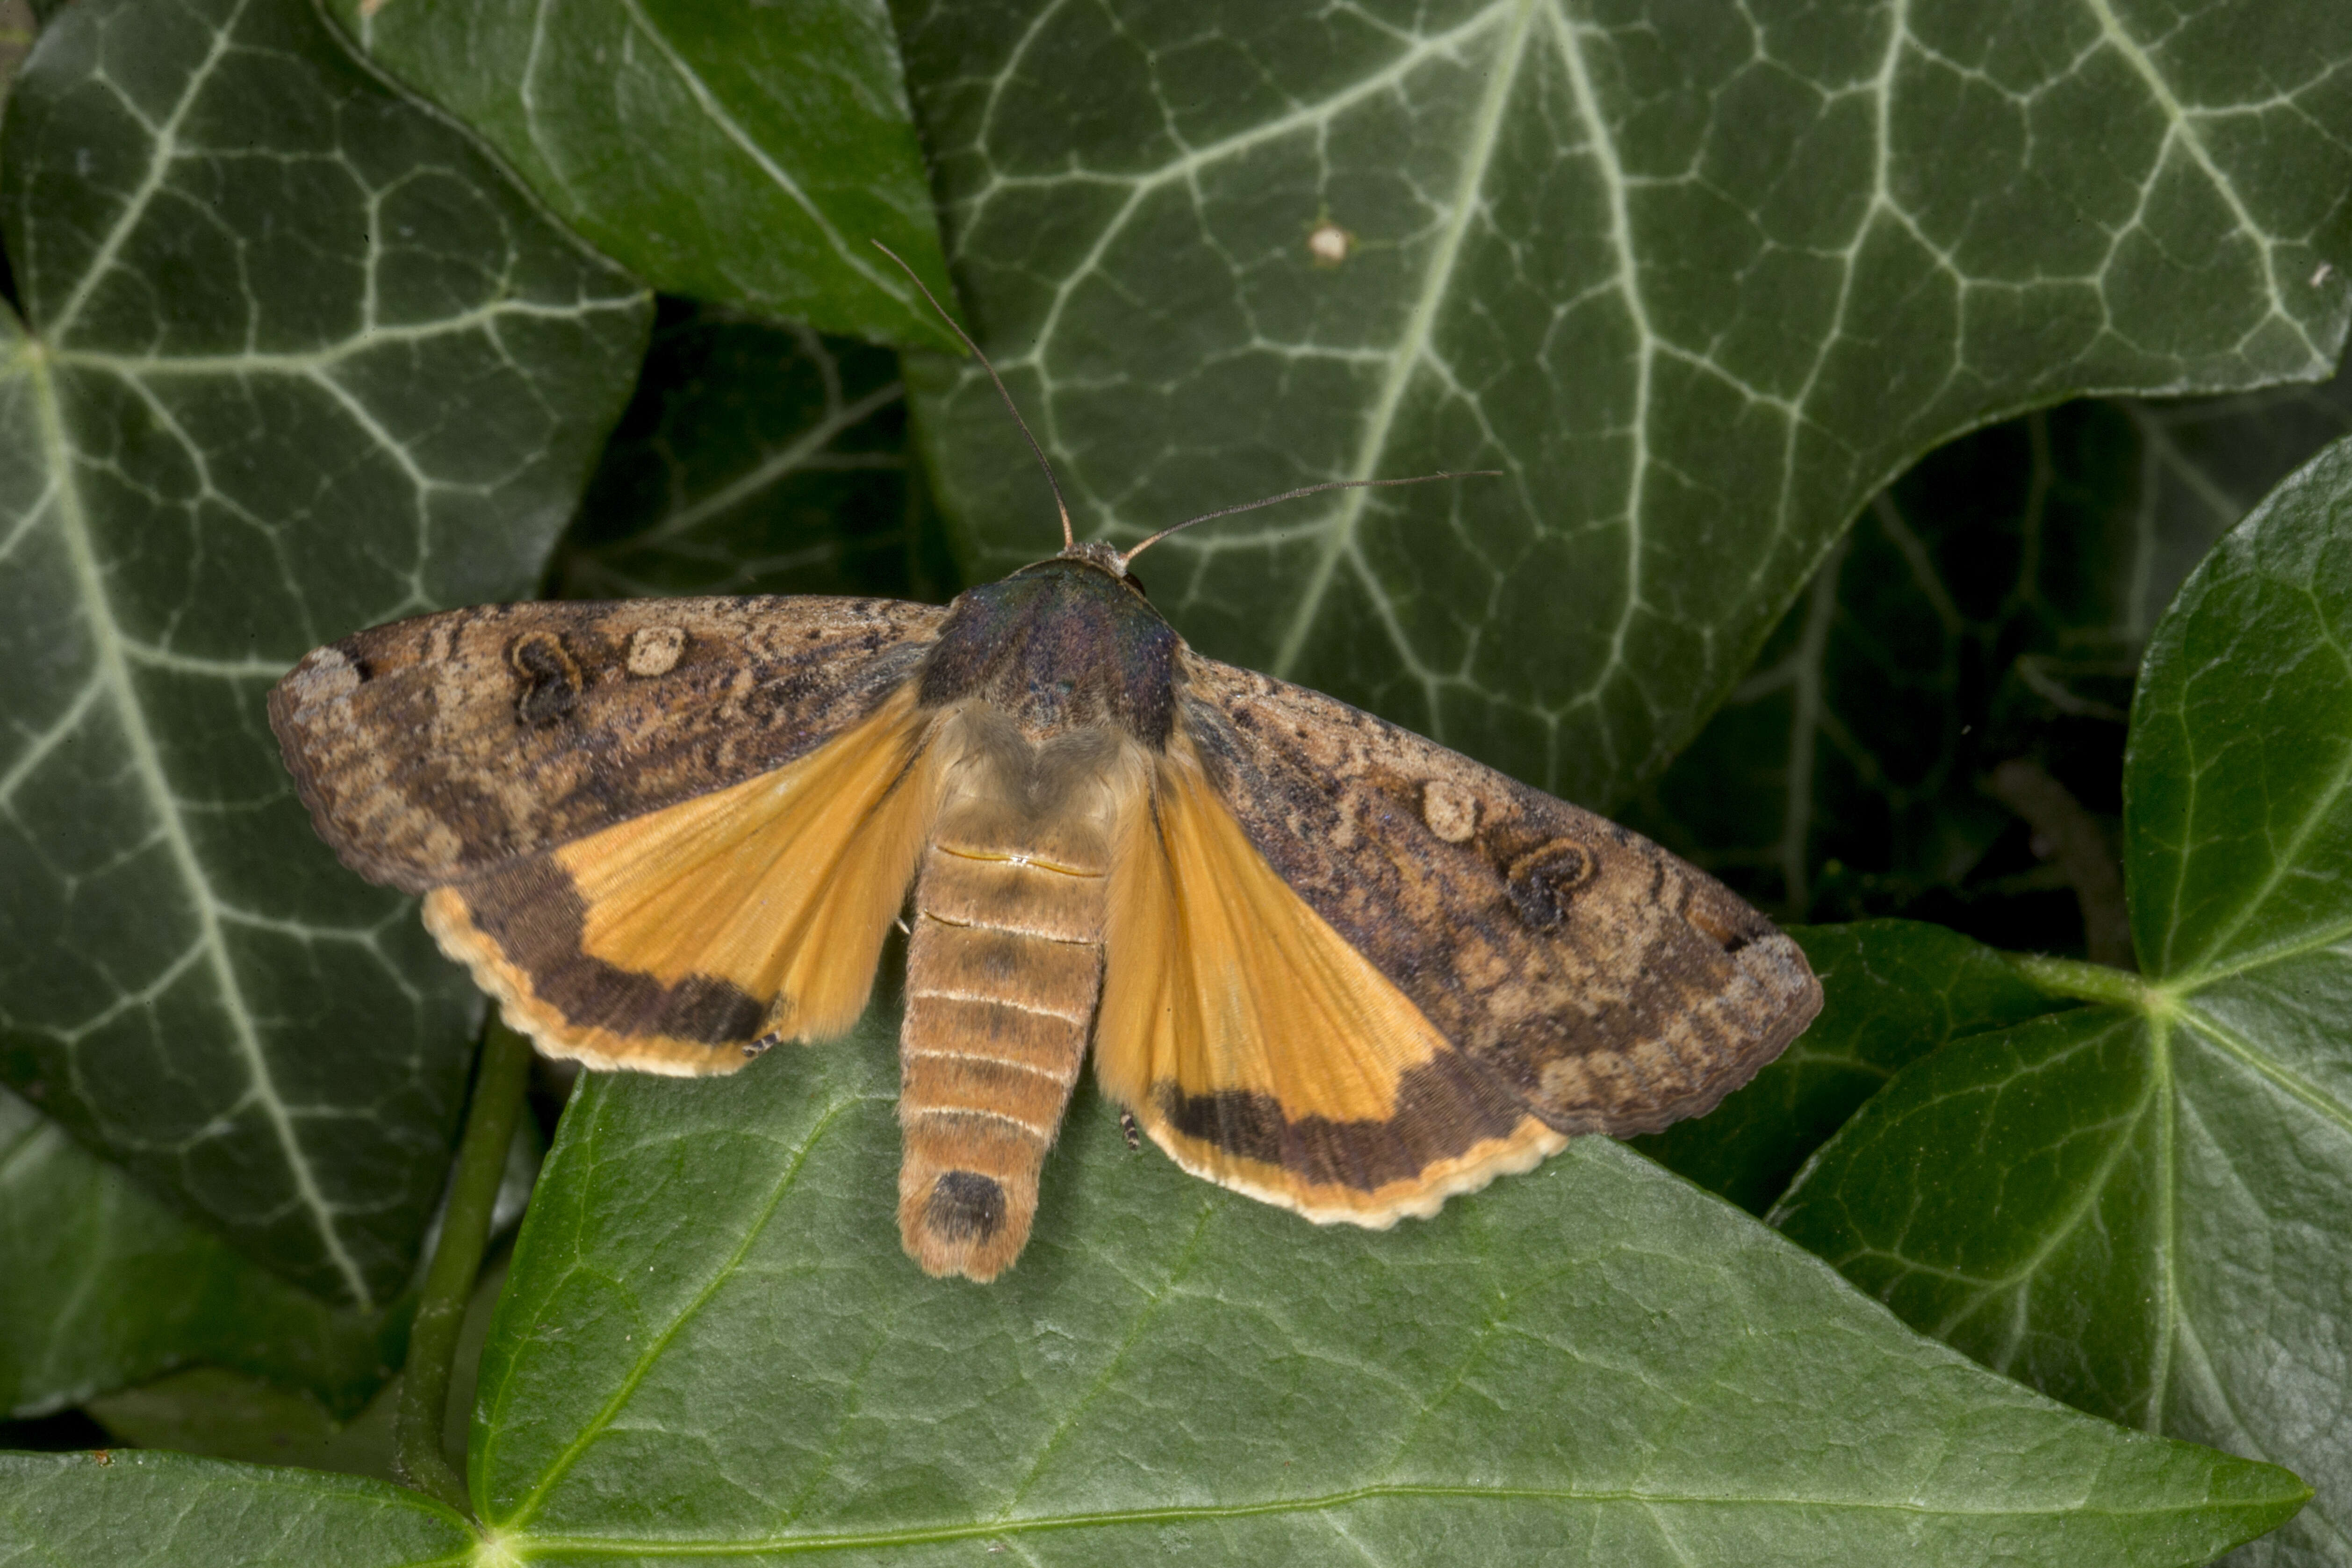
(1616, 987)
(432, 748)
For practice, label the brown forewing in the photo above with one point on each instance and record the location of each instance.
(431, 749)
(1615, 987)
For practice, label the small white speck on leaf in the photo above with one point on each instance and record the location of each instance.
(1328, 244)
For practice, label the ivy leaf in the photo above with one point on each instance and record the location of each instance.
(102, 1286)
(748, 154)
(1993, 603)
(17, 26)
(225, 1415)
(757, 458)
(2140, 1206)
(1892, 992)
(1698, 280)
(299, 359)
(135, 1506)
(231, 1416)
(712, 1346)
(712, 1343)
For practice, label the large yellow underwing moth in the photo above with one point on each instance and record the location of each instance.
(1318, 959)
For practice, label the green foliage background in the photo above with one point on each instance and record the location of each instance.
(1801, 562)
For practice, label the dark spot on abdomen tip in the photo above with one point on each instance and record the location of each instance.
(964, 1206)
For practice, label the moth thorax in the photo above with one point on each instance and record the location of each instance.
(1003, 971)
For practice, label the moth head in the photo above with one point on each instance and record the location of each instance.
(1104, 556)
(1101, 554)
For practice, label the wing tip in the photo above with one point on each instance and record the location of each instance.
(300, 709)
(1782, 996)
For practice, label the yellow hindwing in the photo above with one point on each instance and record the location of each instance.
(1263, 1052)
(772, 897)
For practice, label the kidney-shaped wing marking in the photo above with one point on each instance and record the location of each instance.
(1614, 986)
(432, 748)
(656, 831)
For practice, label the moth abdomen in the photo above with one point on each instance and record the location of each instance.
(1004, 973)
(987, 1061)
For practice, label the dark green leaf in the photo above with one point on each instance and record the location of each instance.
(1892, 992)
(2140, 1206)
(751, 154)
(130, 1508)
(1698, 277)
(101, 1286)
(300, 359)
(712, 1342)
(225, 1415)
(17, 26)
(2025, 1232)
(2238, 787)
(1992, 604)
(757, 458)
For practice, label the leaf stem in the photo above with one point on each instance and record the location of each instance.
(2089, 981)
(499, 1082)
(2072, 836)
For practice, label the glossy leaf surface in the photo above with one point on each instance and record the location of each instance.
(133, 1507)
(1697, 279)
(757, 458)
(1892, 992)
(1993, 603)
(744, 154)
(713, 1350)
(2140, 1206)
(102, 1286)
(712, 1343)
(297, 359)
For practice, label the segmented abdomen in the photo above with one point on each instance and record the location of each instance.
(1003, 971)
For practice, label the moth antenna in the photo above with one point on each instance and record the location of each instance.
(1059, 504)
(1308, 491)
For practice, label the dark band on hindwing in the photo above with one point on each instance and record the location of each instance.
(1443, 1108)
(534, 911)
(1611, 985)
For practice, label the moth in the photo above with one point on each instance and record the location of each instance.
(1317, 958)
